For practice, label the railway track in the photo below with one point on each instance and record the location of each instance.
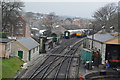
(64, 68)
(51, 63)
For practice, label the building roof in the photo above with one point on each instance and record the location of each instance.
(114, 41)
(28, 42)
(4, 40)
(58, 30)
(71, 27)
(102, 37)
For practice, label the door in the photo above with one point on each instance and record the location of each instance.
(29, 58)
(20, 54)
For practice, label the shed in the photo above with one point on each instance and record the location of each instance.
(86, 55)
(25, 48)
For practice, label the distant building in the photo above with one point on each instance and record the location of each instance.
(5, 47)
(59, 30)
(21, 29)
(26, 48)
(76, 21)
(67, 21)
(34, 32)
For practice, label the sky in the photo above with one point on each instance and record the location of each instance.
(66, 8)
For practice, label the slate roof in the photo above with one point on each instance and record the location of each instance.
(28, 42)
(102, 37)
(71, 27)
(4, 40)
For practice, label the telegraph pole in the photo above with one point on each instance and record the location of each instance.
(93, 36)
(119, 21)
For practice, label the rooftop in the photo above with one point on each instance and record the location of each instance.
(4, 40)
(28, 42)
(102, 37)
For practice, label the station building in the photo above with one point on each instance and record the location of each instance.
(105, 45)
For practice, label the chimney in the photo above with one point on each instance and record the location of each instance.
(112, 29)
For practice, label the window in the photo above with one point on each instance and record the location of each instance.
(89, 46)
(19, 23)
(19, 31)
(37, 48)
(99, 50)
(95, 48)
(7, 47)
(34, 50)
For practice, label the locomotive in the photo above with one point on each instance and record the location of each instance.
(81, 34)
(66, 34)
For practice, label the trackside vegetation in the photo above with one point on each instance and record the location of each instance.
(10, 67)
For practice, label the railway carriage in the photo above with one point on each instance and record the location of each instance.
(79, 34)
(67, 34)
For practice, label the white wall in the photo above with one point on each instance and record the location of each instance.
(98, 46)
(16, 48)
(35, 54)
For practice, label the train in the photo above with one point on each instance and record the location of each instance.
(66, 34)
(78, 34)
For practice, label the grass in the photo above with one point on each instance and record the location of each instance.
(10, 67)
(0, 68)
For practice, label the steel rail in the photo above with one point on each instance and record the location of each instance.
(49, 57)
(58, 65)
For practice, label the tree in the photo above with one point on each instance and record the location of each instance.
(106, 16)
(10, 11)
(0, 17)
(28, 17)
(49, 21)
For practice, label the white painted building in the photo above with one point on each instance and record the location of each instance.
(25, 48)
(97, 41)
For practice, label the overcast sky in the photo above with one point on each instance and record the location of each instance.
(79, 9)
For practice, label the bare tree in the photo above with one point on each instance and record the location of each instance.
(0, 17)
(10, 11)
(106, 16)
(49, 21)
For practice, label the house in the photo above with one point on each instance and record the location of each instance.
(67, 21)
(5, 47)
(99, 42)
(59, 30)
(21, 29)
(26, 48)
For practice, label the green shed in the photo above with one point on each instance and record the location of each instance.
(86, 55)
